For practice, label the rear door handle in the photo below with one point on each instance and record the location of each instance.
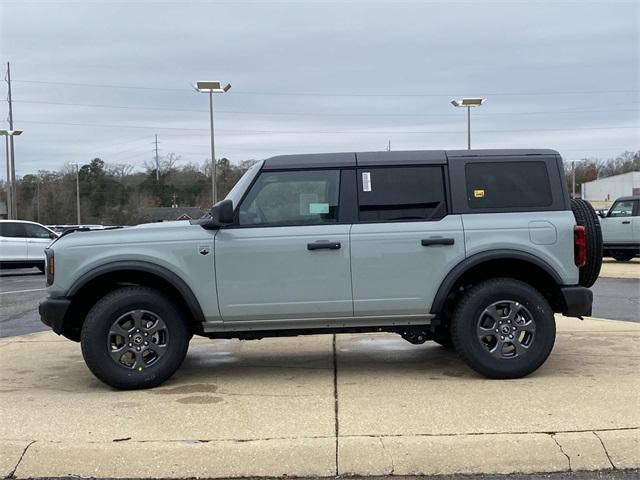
(626, 222)
(428, 242)
(323, 244)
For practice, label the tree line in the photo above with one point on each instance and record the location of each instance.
(115, 194)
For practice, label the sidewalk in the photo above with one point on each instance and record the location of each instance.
(614, 269)
(374, 405)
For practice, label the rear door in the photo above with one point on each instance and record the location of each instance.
(404, 242)
(38, 238)
(287, 257)
(13, 244)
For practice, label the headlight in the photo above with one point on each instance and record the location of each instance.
(50, 266)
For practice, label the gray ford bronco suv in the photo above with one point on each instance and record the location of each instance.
(472, 249)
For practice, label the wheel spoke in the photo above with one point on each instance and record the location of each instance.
(117, 329)
(137, 318)
(116, 354)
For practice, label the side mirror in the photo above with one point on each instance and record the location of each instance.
(602, 214)
(222, 212)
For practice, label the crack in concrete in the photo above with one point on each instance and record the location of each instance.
(562, 450)
(393, 466)
(606, 452)
(335, 401)
(12, 474)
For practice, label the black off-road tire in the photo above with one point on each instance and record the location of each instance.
(95, 338)
(468, 312)
(587, 217)
(622, 256)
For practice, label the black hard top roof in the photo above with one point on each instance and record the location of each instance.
(370, 159)
(627, 198)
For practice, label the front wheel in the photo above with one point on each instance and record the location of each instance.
(133, 338)
(503, 328)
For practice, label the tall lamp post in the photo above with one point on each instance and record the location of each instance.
(12, 197)
(469, 103)
(212, 87)
(77, 190)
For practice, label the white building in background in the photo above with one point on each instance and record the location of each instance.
(610, 188)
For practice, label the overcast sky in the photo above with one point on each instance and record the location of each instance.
(317, 76)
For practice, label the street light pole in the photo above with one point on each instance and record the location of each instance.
(468, 102)
(214, 172)
(12, 201)
(77, 191)
(9, 195)
(212, 87)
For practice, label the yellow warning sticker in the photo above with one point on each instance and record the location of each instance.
(478, 193)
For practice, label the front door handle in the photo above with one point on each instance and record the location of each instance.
(323, 244)
(428, 242)
(626, 222)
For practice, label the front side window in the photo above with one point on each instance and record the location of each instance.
(12, 230)
(36, 231)
(622, 209)
(307, 197)
(508, 185)
(401, 194)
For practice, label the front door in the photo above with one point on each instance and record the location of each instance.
(404, 243)
(617, 227)
(38, 238)
(287, 257)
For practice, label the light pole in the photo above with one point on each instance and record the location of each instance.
(77, 190)
(212, 87)
(12, 197)
(468, 102)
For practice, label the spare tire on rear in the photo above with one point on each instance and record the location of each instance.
(588, 218)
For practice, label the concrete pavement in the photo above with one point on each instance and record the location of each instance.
(613, 269)
(315, 406)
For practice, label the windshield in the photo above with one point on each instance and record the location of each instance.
(235, 195)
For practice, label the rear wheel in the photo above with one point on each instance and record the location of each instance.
(134, 338)
(503, 328)
(587, 217)
(622, 256)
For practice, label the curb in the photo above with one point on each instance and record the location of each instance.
(317, 457)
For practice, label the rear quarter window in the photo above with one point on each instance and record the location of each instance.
(507, 184)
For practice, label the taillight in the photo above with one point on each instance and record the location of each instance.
(580, 245)
(50, 265)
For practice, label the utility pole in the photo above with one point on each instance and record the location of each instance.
(157, 162)
(12, 180)
(389, 146)
(573, 179)
(468, 127)
(38, 200)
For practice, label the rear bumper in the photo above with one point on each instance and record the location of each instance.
(53, 312)
(578, 301)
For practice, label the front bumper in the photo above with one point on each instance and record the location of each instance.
(53, 312)
(578, 301)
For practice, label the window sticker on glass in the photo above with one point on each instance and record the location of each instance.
(478, 193)
(318, 208)
(366, 181)
(306, 199)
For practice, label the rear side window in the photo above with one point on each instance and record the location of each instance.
(15, 230)
(507, 184)
(401, 194)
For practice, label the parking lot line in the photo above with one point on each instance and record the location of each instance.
(23, 291)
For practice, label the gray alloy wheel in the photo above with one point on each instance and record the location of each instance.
(138, 339)
(506, 329)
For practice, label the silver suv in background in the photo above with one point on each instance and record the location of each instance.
(621, 229)
(474, 249)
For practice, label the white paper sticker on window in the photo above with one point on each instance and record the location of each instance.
(366, 181)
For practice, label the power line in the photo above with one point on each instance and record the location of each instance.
(324, 94)
(306, 132)
(322, 114)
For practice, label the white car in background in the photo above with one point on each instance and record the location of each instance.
(22, 244)
(621, 229)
